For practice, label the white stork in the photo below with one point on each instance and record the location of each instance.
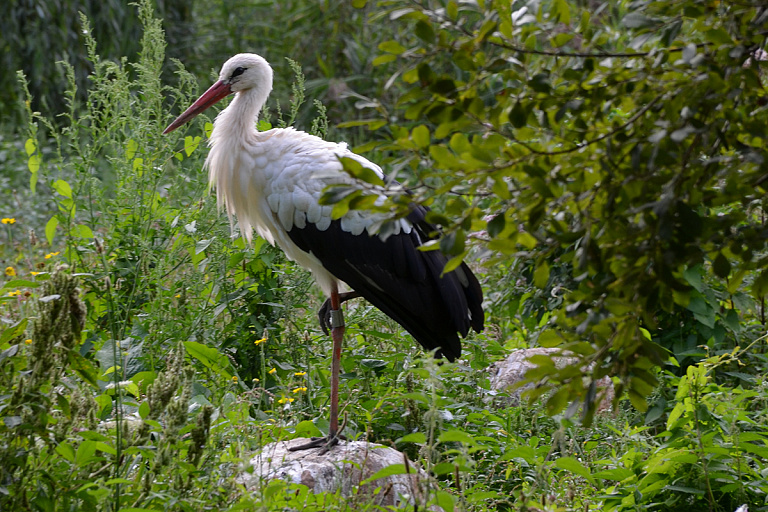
(272, 182)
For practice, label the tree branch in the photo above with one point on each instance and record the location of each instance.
(601, 137)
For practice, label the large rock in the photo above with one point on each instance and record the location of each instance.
(507, 373)
(344, 468)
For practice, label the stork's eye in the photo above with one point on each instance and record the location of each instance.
(238, 72)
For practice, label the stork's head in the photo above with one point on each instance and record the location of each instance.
(247, 71)
(243, 72)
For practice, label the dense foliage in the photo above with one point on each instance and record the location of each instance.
(601, 166)
(615, 154)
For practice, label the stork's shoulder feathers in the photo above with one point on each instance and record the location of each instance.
(300, 166)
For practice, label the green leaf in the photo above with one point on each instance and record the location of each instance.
(190, 144)
(210, 358)
(415, 396)
(693, 276)
(363, 173)
(81, 231)
(637, 19)
(703, 311)
(496, 225)
(384, 59)
(562, 12)
(20, 283)
(454, 262)
(420, 136)
(84, 368)
(144, 379)
(130, 149)
(392, 47)
(424, 31)
(718, 36)
(444, 499)
(561, 39)
(307, 428)
(541, 275)
(557, 401)
(202, 245)
(66, 450)
(481, 496)
(50, 229)
(394, 469)
(456, 436)
(549, 338)
(335, 193)
(453, 242)
(113, 481)
(340, 208)
(721, 266)
(373, 364)
(372, 124)
(86, 452)
(33, 182)
(518, 116)
(30, 146)
(452, 9)
(33, 164)
(63, 188)
(106, 448)
(105, 403)
(637, 400)
(575, 467)
(12, 332)
(540, 83)
(443, 157)
(416, 437)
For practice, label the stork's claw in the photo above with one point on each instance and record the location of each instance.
(324, 313)
(324, 443)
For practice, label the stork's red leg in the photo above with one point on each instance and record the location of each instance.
(337, 334)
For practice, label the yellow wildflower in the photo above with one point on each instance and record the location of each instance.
(178, 295)
(14, 294)
(285, 399)
(255, 380)
(8, 220)
(299, 390)
(10, 271)
(300, 374)
(272, 371)
(234, 379)
(32, 273)
(28, 341)
(51, 255)
(259, 342)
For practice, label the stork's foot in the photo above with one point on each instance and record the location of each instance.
(324, 313)
(324, 443)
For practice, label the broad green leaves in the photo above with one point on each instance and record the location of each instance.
(606, 155)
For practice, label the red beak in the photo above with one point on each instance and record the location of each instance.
(214, 94)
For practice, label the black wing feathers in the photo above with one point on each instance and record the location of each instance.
(402, 281)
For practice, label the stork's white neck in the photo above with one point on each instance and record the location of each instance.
(238, 120)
